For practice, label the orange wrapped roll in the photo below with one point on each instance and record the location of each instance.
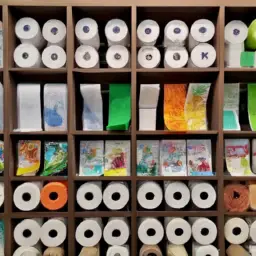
(54, 195)
(236, 198)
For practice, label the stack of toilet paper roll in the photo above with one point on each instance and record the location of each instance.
(27, 54)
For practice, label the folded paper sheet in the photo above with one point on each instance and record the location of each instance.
(119, 106)
(195, 106)
(147, 118)
(252, 105)
(174, 102)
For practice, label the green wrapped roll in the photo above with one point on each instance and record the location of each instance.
(250, 42)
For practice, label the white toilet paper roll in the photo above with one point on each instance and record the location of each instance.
(233, 55)
(55, 31)
(29, 32)
(89, 195)
(149, 195)
(27, 250)
(175, 57)
(203, 55)
(118, 56)
(149, 57)
(54, 232)
(150, 231)
(26, 197)
(1, 194)
(252, 225)
(89, 232)
(87, 57)
(27, 232)
(236, 230)
(203, 194)
(117, 33)
(204, 230)
(87, 32)
(204, 250)
(235, 32)
(27, 56)
(147, 33)
(116, 250)
(54, 57)
(1, 107)
(116, 195)
(178, 230)
(175, 33)
(177, 194)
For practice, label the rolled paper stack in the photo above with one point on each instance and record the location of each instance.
(90, 251)
(115, 250)
(252, 199)
(176, 250)
(147, 250)
(237, 250)
(57, 251)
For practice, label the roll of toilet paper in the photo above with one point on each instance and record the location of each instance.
(201, 31)
(27, 56)
(29, 32)
(26, 197)
(176, 250)
(175, 57)
(27, 232)
(117, 250)
(87, 57)
(233, 54)
(178, 230)
(27, 250)
(89, 232)
(204, 230)
(117, 231)
(175, 33)
(148, 250)
(1, 194)
(118, 56)
(149, 195)
(54, 232)
(1, 111)
(54, 57)
(203, 250)
(203, 55)
(177, 194)
(235, 32)
(150, 231)
(87, 32)
(147, 33)
(149, 57)
(252, 226)
(54, 32)
(117, 33)
(89, 195)
(116, 195)
(203, 194)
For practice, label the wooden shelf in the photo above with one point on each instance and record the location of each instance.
(40, 133)
(182, 70)
(240, 69)
(103, 214)
(177, 213)
(39, 71)
(241, 214)
(102, 70)
(103, 178)
(178, 133)
(239, 178)
(103, 133)
(38, 178)
(20, 215)
(239, 134)
(175, 178)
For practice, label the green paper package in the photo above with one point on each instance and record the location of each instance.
(55, 158)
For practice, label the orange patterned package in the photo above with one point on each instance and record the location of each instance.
(174, 102)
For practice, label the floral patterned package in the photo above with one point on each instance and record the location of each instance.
(1, 156)
(147, 157)
(199, 157)
(28, 157)
(91, 158)
(173, 158)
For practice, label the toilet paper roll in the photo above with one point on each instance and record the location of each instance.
(203, 250)
(117, 250)
(1, 194)
(175, 33)
(27, 56)
(54, 57)
(175, 57)
(178, 230)
(89, 232)
(54, 232)
(236, 230)
(204, 230)
(87, 57)
(176, 250)
(118, 56)
(26, 197)
(147, 33)
(117, 33)
(149, 57)
(252, 226)
(233, 55)
(91, 251)
(203, 194)
(235, 32)
(150, 231)
(147, 250)
(149, 195)
(146, 123)
(27, 250)
(177, 194)
(1, 116)
(87, 32)
(203, 55)
(237, 250)
(27, 232)
(117, 231)
(57, 251)
(55, 31)
(89, 195)
(116, 195)
(29, 32)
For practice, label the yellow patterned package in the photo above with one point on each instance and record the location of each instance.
(195, 106)
(174, 102)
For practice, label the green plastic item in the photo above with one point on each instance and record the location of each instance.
(247, 59)
(230, 121)
(252, 105)
(250, 42)
(119, 107)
